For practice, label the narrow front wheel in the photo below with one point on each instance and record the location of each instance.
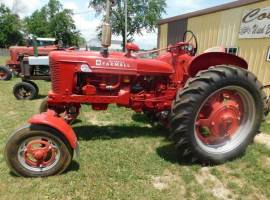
(25, 91)
(37, 151)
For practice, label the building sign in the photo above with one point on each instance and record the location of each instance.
(255, 23)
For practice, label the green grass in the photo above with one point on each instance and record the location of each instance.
(3, 60)
(124, 157)
(265, 128)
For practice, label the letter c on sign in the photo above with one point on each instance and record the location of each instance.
(251, 16)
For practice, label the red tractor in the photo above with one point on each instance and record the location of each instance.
(29, 62)
(40, 46)
(211, 103)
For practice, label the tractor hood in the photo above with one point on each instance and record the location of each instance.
(116, 63)
(30, 50)
(16, 51)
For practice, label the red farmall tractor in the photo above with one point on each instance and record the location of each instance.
(29, 62)
(211, 103)
(17, 53)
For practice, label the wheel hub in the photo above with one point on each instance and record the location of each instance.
(219, 118)
(39, 153)
(24, 93)
(225, 119)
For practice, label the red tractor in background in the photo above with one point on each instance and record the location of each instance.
(212, 105)
(30, 62)
(43, 45)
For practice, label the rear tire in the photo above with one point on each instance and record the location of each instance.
(5, 74)
(21, 160)
(202, 142)
(25, 91)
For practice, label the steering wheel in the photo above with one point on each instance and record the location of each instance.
(188, 37)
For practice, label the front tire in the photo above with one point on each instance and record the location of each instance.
(37, 151)
(5, 74)
(217, 115)
(25, 91)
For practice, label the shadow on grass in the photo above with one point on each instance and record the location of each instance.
(74, 166)
(92, 132)
(167, 152)
(40, 96)
(76, 121)
(171, 154)
(137, 117)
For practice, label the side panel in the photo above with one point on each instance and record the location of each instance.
(57, 123)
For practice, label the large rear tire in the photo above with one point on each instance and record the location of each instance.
(37, 151)
(217, 115)
(5, 74)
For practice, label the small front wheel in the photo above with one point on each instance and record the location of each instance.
(25, 91)
(37, 151)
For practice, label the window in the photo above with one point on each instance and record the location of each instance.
(268, 55)
(232, 50)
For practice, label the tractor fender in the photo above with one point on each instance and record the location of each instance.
(207, 60)
(49, 119)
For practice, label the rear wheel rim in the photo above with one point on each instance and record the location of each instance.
(39, 154)
(224, 120)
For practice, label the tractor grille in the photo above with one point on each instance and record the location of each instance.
(55, 75)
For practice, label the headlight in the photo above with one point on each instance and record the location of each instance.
(85, 68)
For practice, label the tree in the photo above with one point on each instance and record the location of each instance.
(54, 21)
(142, 15)
(38, 23)
(54, 7)
(10, 32)
(65, 30)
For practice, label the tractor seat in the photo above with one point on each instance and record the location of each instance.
(215, 49)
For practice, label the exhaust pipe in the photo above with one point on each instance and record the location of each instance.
(106, 39)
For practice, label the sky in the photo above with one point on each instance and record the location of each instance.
(86, 21)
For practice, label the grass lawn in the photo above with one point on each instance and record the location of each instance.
(3, 60)
(124, 157)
